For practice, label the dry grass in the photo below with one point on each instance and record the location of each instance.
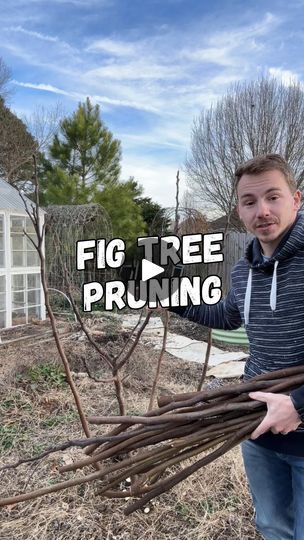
(37, 411)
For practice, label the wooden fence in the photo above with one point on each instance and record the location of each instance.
(234, 247)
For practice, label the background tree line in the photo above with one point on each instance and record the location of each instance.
(80, 159)
(79, 162)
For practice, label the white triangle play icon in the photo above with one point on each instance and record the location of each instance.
(149, 270)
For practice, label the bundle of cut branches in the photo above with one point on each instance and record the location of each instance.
(148, 448)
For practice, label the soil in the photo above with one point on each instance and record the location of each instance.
(38, 411)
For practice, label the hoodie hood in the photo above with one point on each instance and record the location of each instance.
(291, 242)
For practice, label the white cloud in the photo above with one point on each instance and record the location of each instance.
(124, 103)
(45, 88)
(226, 78)
(172, 134)
(226, 48)
(170, 76)
(158, 180)
(113, 47)
(286, 76)
(59, 58)
(31, 33)
(216, 55)
(135, 70)
(152, 74)
(59, 46)
(245, 33)
(81, 96)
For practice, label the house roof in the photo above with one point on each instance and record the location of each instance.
(10, 198)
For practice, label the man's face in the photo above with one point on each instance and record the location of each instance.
(267, 207)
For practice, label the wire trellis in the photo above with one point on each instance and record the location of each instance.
(65, 226)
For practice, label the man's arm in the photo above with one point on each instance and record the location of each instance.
(224, 315)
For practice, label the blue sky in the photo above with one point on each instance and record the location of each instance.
(152, 65)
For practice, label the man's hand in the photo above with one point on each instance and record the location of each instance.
(281, 415)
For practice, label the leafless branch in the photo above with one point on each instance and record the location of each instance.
(166, 316)
(206, 361)
(243, 124)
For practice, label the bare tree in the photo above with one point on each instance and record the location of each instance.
(254, 118)
(44, 124)
(5, 77)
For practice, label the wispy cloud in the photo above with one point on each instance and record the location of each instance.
(31, 33)
(151, 70)
(225, 48)
(216, 55)
(135, 70)
(113, 47)
(44, 88)
(78, 96)
(245, 33)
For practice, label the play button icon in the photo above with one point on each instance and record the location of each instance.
(155, 270)
(149, 270)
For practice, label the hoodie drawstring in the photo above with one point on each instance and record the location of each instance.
(247, 297)
(273, 292)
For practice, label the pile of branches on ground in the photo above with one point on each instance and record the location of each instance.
(148, 448)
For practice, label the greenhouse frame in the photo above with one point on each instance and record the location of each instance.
(21, 294)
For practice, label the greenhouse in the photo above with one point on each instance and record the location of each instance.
(21, 296)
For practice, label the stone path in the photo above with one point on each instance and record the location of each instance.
(222, 364)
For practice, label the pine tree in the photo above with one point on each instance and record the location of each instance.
(86, 150)
(126, 216)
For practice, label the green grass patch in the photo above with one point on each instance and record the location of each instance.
(59, 419)
(43, 375)
(9, 436)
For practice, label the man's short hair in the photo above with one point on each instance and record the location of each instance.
(267, 162)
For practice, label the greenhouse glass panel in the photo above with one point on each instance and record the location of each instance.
(18, 282)
(34, 312)
(18, 258)
(29, 226)
(2, 242)
(33, 297)
(17, 242)
(32, 258)
(2, 295)
(18, 299)
(2, 284)
(17, 224)
(33, 281)
(29, 244)
(18, 317)
(2, 302)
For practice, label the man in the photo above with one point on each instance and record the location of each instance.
(267, 296)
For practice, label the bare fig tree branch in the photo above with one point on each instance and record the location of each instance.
(34, 215)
